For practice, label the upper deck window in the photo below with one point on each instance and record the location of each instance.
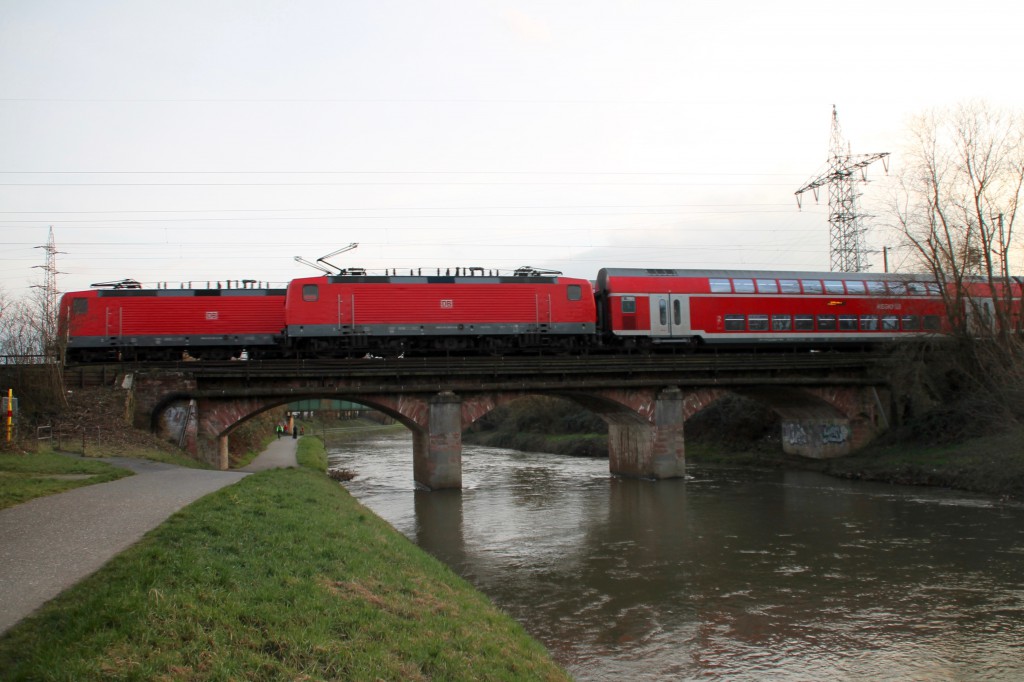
(767, 286)
(898, 288)
(743, 286)
(855, 286)
(876, 288)
(811, 286)
(720, 286)
(834, 286)
(789, 286)
(574, 292)
(310, 293)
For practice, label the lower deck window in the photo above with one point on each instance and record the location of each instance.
(911, 323)
(848, 323)
(803, 323)
(735, 323)
(826, 323)
(758, 323)
(782, 323)
(891, 323)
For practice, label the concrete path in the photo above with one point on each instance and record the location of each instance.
(50, 543)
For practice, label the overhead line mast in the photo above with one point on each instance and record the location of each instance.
(846, 244)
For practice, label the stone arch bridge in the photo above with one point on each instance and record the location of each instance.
(829, 404)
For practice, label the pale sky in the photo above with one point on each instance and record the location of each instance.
(212, 140)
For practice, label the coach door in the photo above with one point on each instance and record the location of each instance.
(670, 316)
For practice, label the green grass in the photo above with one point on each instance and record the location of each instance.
(24, 477)
(282, 576)
(311, 453)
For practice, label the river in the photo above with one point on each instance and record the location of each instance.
(731, 574)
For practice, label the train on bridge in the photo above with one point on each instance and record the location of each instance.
(473, 311)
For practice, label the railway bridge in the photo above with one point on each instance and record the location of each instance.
(830, 404)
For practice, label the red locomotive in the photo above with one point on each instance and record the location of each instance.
(468, 312)
(733, 307)
(127, 322)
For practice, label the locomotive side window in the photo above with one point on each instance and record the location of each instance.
(931, 323)
(789, 286)
(781, 323)
(803, 323)
(911, 323)
(574, 292)
(720, 286)
(735, 323)
(811, 286)
(663, 312)
(743, 286)
(826, 323)
(310, 293)
(628, 304)
(79, 306)
(848, 323)
(876, 288)
(767, 286)
(869, 323)
(677, 312)
(758, 323)
(890, 322)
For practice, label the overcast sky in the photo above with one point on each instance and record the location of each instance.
(211, 140)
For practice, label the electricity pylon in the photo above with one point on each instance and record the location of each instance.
(846, 243)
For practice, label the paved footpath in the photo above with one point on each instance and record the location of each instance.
(50, 543)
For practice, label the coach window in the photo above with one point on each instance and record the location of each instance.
(898, 288)
(628, 304)
(803, 323)
(916, 288)
(79, 306)
(663, 312)
(932, 288)
(855, 287)
(911, 323)
(826, 323)
(743, 286)
(847, 323)
(574, 292)
(782, 323)
(758, 323)
(310, 293)
(720, 286)
(931, 323)
(811, 286)
(677, 312)
(868, 323)
(789, 286)
(767, 286)
(890, 323)
(834, 286)
(735, 323)
(876, 288)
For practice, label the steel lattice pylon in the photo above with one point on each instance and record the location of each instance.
(846, 243)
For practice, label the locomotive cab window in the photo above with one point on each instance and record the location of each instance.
(628, 304)
(574, 292)
(79, 306)
(310, 293)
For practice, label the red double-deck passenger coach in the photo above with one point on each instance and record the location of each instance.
(663, 306)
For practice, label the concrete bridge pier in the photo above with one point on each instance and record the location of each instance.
(653, 448)
(437, 449)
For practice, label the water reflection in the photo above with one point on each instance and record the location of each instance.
(731, 575)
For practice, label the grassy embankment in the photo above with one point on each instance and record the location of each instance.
(24, 477)
(281, 576)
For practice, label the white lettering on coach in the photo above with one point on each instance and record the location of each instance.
(212, 315)
(890, 306)
(447, 303)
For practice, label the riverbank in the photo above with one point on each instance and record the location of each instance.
(280, 576)
(736, 434)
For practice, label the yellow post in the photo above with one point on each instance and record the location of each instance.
(10, 412)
